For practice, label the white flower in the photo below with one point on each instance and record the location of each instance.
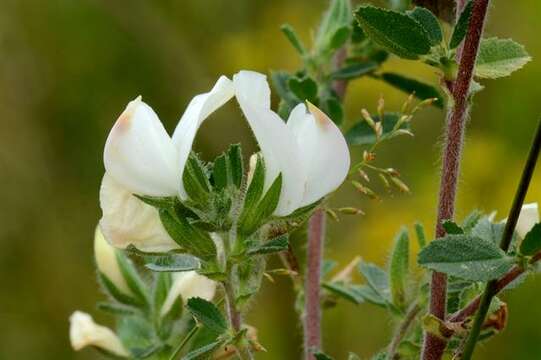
(141, 158)
(529, 216)
(309, 151)
(107, 263)
(85, 332)
(188, 284)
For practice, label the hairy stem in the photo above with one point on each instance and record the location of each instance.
(312, 286)
(235, 317)
(402, 330)
(492, 287)
(456, 122)
(316, 238)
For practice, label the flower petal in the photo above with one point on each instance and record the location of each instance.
(529, 216)
(107, 263)
(197, 111)
(188, 284)
(127, 220)
(323, 151)
(277, 143)
(140, 155)
(85, 332)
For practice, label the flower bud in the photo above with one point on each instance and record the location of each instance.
(107, 263)
(529, 216)
(400, 184)
(188, 284)
(85, 332)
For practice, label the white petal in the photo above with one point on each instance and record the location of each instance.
(197, 111)
(323, 151)
(127, 220)
(85, 332)
(140, 155)
(188, 284)
(529, 216)
(277, 143)
(107, 263)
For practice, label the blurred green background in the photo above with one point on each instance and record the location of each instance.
(68, 68)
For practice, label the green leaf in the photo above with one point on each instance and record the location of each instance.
(291, 35)
(172, 263)
(532, 241)
(255, 188)
(195, 180)
(337, 16)
(429, 22)
(452, 228)
(197, 242)
(134, 281)
(466, 257)
(136, 333)
(488, 231)
(396, 32)
(207, 314)
(318, 355)
(471, 220)
(111, 290)
(346, 291)
(461, 27)
(158, 202)
(117, 309)
(219, 172)
(362, 134)
(377, 279)
(421, 90)
(339, 38)
(355, 70)
(162, 284)
(421, 237)
(399, 268)
(277, 244)
(236, 165)
(304, 88)
(203, 352)
(499, 58)
(258, 214)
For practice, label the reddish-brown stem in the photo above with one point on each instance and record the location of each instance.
(312, 312)
(456, 120)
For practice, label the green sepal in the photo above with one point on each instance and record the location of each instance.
(197, 242)
(256, 215)
(111, 290)
(133, 280)
(195, 180)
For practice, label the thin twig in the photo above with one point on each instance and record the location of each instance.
(184, 341)
(403, 329)
(456, 122)
(492, 287)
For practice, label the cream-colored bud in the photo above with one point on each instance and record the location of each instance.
(107, 263)
(85, 332)
(188, 284)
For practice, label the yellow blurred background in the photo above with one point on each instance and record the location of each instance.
(68, 68)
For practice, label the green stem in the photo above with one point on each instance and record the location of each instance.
(403, 329)
(492, 287)
(184, 341)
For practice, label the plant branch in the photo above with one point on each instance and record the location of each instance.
(184, 341)
(312, 286)
(456, 120)
(235, 317)
(492, 287)
(402, 330)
